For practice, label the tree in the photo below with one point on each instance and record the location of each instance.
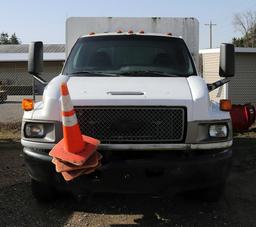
(238, 42)
(13, 39)
(246, 24)
(5, 39)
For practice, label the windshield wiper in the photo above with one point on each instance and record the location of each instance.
(147, 73)
(95, 73)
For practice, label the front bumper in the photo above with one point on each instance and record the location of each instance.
(138, 172)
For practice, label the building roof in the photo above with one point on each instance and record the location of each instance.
(237, 50)
(19, 52)
(23, 48)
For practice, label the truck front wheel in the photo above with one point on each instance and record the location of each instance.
(43, 192)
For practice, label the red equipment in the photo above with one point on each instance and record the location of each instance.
(243, 116)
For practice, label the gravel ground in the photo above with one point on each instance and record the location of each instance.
(236, 208)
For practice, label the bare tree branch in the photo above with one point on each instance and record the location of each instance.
(245, 23)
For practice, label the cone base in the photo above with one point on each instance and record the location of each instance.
(70, 175)
(77, 159)
(92, 162)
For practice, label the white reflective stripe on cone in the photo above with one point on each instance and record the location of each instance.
(66, 104)
(69, 121)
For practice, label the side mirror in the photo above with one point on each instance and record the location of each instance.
(35, 58)
(227, 60)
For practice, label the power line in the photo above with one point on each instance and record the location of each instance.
(210, 26)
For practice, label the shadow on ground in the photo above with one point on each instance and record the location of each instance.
(18, 208)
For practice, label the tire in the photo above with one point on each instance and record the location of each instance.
(43, 192)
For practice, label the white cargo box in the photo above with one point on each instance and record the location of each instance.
(188, 28)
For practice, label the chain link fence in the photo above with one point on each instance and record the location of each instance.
(21, 84)
(13, 89)
(16, 82)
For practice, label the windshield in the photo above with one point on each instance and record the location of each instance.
(130, 55)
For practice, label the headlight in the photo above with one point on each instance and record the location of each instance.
(220, 131)
(34, 130)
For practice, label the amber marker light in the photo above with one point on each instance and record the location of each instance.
(225, 105)
(141, 32)
(92, 33)
(119, 31)
(27, 104)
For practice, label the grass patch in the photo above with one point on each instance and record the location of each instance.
(251, 133)
(10, 131)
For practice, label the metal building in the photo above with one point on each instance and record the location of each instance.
(242, 88)
(14, 77)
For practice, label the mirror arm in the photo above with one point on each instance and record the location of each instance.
(217, 84)
(40, 79)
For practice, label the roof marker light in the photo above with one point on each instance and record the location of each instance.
(119, 31)
(92, 33)
(169, 33)
(141, 32)
(130, 31)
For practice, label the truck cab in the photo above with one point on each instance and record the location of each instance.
(139, 94)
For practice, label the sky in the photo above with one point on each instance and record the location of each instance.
(44, 20)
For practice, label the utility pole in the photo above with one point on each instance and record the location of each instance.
(210, 26)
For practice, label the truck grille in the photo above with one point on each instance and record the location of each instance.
(131, 125)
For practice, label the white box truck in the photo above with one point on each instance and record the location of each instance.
(134, 86)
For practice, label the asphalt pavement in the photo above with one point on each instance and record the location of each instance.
(236, 208)
(11, 110)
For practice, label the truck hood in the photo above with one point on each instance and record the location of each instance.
(190, 92)
(129, 91)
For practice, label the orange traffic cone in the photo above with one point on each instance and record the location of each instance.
(74, 148)
(92, 162)
(70, 175)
